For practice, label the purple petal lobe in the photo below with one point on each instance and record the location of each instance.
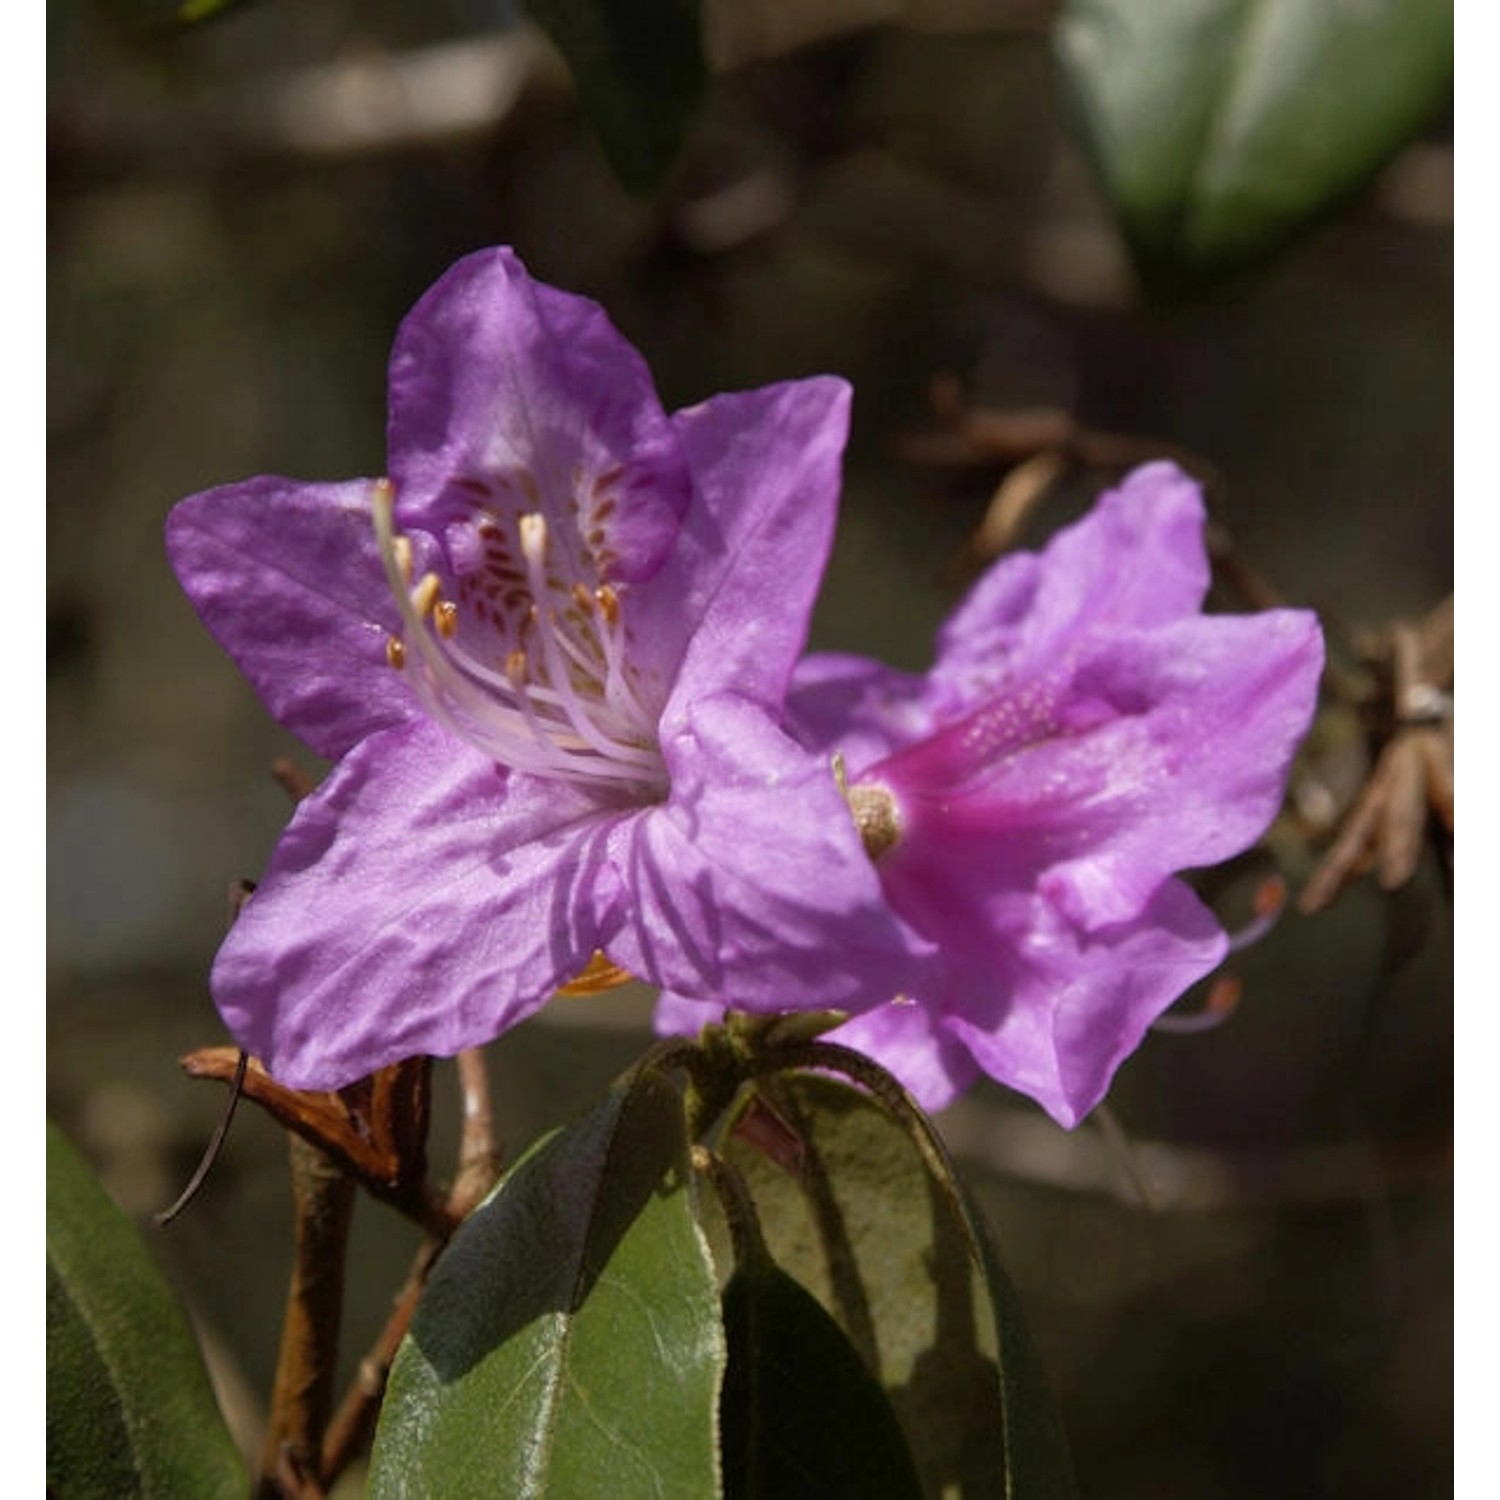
(750, 885)
(511, 398)
(1059, 1014)
(287, 577)
(1136, 560)
(729, 611)
(421, 901)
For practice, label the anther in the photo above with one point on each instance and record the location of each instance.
(515, 668)
(395, 652)
(609, 603)
(533, 533)
(583, 599)
(426, 594)
(445, 618)
(401, 549)
(1223, 999)
(1268, 903)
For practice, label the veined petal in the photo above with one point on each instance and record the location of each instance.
(421, 901)
(750, 885)
(729, 611)
(508, 398)
(287, 577)
(1136, 560)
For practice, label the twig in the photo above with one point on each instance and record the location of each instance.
(479, 1154)
(479, 1162)
(302, 1396)
(352, 1424)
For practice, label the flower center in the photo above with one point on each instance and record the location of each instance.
(558, 699)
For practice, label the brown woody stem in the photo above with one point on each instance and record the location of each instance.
(323, 1202)
(479, 1161)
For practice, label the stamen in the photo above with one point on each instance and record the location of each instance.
(1222, 1000)
(557, 703)
(533, 532)
(426, 594)
(1268, 904)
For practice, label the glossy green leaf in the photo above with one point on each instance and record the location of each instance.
(1219, 128)
(897, 1257)
(639, 72)
(129, 1407)
(569, 1343)
(801, 1416)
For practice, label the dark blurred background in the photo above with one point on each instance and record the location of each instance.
(239, 215)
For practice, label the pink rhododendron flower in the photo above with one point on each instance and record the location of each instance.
(1085, 734)
(549, 656)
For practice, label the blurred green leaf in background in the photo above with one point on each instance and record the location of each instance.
(129, 1407)
(1219, 129)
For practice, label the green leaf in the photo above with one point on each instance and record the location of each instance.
(569, 1342)
(639, 72)
(129, 1407)
(900, 1258)
(1219, 128)
(801, 1415)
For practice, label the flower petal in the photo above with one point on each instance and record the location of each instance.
(1137, 559)
(750, 886)
(1166, 750)
(1055, 1015)
(857, 707)
(287, 577)
(909, 1040)
(421, 901)
(676, 1016)
(729, 612)
(508, 397)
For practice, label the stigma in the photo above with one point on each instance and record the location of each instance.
(535, 674)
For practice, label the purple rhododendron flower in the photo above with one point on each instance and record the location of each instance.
(1085, 734)
(549, 655)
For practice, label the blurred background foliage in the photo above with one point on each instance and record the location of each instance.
(1219, 227)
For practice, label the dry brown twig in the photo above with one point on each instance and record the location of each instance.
(1412, 779)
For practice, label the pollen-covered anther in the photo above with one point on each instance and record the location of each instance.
(445, 619)
(395, 652)
(582, 598)
(515, 668)
(609, 603)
